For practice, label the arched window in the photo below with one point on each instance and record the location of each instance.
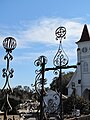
(85, 67)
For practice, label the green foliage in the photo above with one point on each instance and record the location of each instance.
(23, 93)
(20, 94)
(79, 103)
(65, 80)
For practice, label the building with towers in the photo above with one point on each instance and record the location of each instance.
(80, 81)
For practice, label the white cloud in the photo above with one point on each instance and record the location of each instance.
(43, 30)
(1, 40)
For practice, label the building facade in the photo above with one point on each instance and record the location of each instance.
(81, 78)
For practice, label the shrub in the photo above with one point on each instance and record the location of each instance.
(79, 103)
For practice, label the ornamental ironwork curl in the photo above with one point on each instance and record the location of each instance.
(38, 83)
(60, 33)
(60, 59)
(40, 60)
(38, 78)
(7, 72)
(56, 72)
(52, 102)
(9, 44)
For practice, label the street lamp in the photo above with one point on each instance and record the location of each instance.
(9, 44)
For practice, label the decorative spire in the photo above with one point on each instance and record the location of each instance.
(85, 35)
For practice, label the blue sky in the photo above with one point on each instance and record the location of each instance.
(33, 23)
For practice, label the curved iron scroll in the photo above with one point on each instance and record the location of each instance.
(60, 33)
(7, 72)
(9, 44)
(60, 59)
(40, 60)
(38, 78)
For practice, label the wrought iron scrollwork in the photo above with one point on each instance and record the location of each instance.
(38, 83)
(60, 33)
(7, 72)
(39, 61)
(9, 44)
(60, 59)
(38, 78)
(52, 101)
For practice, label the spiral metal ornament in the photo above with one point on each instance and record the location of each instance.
(51, 102)
(40, 60)
(60, 59)
(38, 78)
(60, 33)
(56, 72)
(9, 44)
(38, 83)
(7, 74)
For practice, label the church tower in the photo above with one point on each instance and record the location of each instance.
(81, 78)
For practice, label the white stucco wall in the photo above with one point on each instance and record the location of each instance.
(80, 74)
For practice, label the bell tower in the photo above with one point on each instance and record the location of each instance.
(83, 61)
(81, 78)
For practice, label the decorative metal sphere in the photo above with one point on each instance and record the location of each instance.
(9, 43)
(60, 32)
